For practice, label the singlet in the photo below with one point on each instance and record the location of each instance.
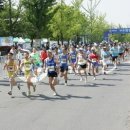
(64, 60)
(73, 56)
(10, 66)
(36, 58)
(120, 49)
(105, 54)
(81, 60)
(93, 57)
(51, 65)
(27, 64)
(114, 51)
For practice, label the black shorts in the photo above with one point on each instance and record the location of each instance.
(83, 66)
(121, 54)
(114, 58)
(126, 49)
(52, 74)
(63, 69)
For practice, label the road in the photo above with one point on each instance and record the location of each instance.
(103, 104)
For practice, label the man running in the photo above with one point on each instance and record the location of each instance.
(50, 65)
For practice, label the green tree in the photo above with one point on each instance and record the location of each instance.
(9, 18)
(67, 22)
(36, 16)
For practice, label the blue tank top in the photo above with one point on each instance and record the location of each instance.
(73, 56)
(64, 60)
(51, 65)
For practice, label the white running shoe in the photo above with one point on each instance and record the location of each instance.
(29, 93)
(94, 78)
(81, 79)
(54, 94)
(66, 84)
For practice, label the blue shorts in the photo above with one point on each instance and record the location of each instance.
(95, 64)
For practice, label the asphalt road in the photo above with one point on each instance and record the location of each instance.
(103, 104)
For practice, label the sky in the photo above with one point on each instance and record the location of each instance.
(117, 11)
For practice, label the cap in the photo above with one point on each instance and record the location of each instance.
(80, 49)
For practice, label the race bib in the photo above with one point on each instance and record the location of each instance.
(73, 57)
(10, 68)
(94, 60)
(63, 61)
(51, 68)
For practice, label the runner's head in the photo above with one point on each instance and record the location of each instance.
(64, 50)
(10, 55)
(49, 53)
(93, 50)
(26, 54)
(34, 50)
(81, 50)
(104, 48)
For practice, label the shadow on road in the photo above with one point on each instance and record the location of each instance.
(58, 97)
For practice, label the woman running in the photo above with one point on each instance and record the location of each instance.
(72, 57)
(27, 63)
(11, 67)
(64, 58)
(82, 64)
(94, 59)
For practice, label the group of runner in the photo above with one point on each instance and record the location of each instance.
(82, 59)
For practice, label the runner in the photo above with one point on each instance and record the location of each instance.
(88, 51)
(105, 55)
(114, 52)
(82, 64)
(27, 64)
(50, 65)
(72, 58)
(121, 51)
(43, 55)
(94, 59)
(64, 65)
(11, 67)
(36, 60)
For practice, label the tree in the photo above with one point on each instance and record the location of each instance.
(67, 22)
(92, 15)
(36, 16)
(9, 18)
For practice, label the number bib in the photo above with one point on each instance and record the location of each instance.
(10, 68)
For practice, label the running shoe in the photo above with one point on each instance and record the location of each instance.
(94, 78)
(18, 86)
(55, 94)
(105, 73)
(89, 74)
(10, 92)
(81, 79)
(66, 84)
